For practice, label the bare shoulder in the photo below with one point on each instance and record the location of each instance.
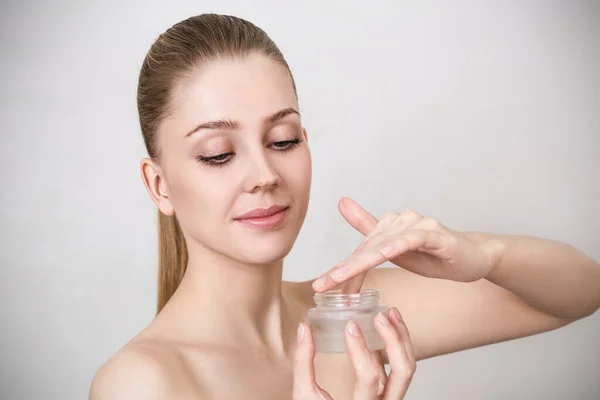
(141, 370)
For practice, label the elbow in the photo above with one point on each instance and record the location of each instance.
(580, 309)
(591, 286)
(595, 306)
(590, 310)
(595, 303)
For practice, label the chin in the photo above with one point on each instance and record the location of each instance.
(264, 249)
(254, 245)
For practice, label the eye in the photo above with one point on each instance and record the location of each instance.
(221, 159)
(218, 160)
(286, 144)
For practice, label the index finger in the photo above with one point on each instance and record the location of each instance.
(359, 218)
(356, 264)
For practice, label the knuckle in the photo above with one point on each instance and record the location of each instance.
(431, 223)
(363, 246)
(410, 216)
(390, 215)
(368, 379)
(413, 367)
(408, 213)
(409, 369)
(412, 237)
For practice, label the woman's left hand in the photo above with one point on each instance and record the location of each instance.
(418, 244)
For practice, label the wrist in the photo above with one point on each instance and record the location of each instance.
(496, 249)
(493, 247)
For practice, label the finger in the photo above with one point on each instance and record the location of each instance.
(396, 318)
(390, 224)
(401, 366)
(365, 368)
(429, 223)
(305, 385)
(353, 266)
(359, 218)
(353, 285)
(425, 241)
(388, 244)
(388, 236)
(377, 356)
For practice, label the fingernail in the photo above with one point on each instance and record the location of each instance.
(383, 319)
(353, 328)
(339, 273)
(300, 332)
(397, 314)
(321, 282)
(387, 250)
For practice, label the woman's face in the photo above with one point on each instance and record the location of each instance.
(235, 143)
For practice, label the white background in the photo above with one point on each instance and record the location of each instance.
(483, 114)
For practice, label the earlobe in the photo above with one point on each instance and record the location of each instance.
(156, 186)
(166, 207)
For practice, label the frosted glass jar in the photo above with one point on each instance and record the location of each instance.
(333, 311)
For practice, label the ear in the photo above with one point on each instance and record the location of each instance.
(305, 134)
(156, 185)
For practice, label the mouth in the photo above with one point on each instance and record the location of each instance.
(264, 218)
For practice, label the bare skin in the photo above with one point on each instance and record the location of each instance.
(229, 331)
(163, 362)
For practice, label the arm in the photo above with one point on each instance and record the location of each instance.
(538, 285)
(462, 290)
(551, 276)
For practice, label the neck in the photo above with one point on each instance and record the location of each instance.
(235, 304)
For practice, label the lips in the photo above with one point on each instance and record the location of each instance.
(264, 218)
(261, 212)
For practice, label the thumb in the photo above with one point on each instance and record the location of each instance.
(305, 386)
(356, 216)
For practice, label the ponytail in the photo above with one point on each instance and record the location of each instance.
(172, 258)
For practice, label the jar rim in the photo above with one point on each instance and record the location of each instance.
(338, 295)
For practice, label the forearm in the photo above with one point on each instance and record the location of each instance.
(552, 276)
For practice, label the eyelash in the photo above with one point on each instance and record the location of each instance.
(216, 160)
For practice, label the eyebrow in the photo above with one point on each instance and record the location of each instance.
(233, 125)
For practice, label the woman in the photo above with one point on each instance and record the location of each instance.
(229, 169)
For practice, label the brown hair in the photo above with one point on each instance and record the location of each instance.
(175, 54)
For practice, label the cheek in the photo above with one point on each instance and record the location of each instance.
(197, 195)
(299, 174)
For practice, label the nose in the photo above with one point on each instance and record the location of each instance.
(261, 174)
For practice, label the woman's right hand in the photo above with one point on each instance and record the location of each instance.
(371, 381)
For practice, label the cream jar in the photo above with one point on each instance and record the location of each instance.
(335, 309)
